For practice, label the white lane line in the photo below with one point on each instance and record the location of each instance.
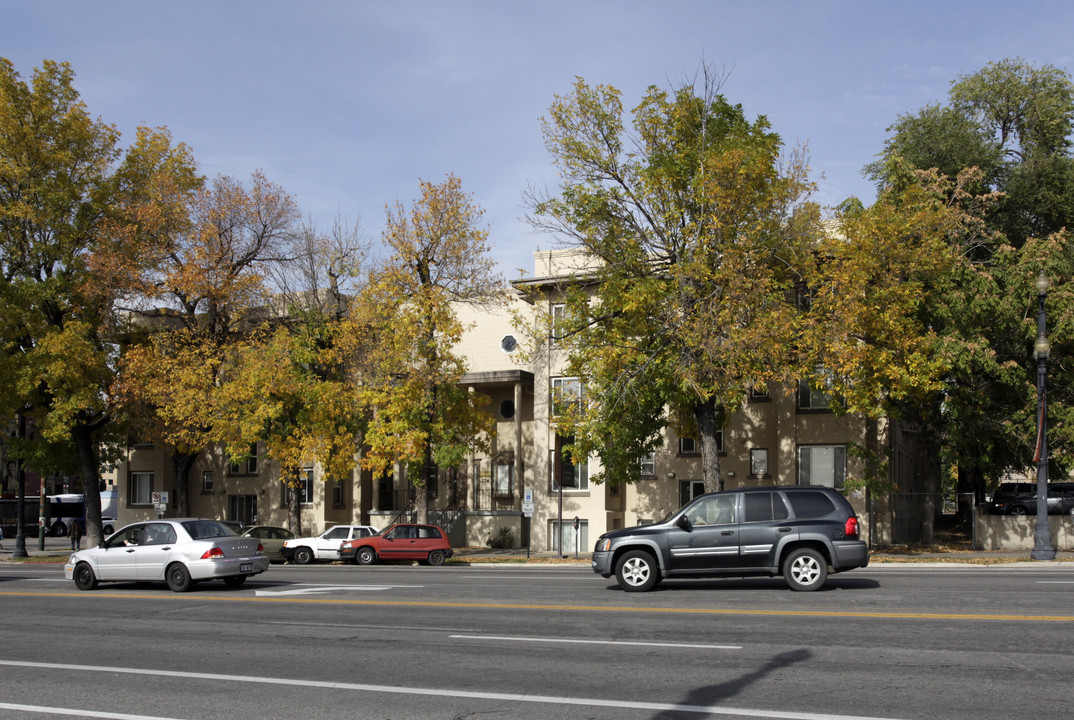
(451, 693)
(595, 642)
(308, 589)
(77, 712)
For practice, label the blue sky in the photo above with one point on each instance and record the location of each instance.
(347, 104)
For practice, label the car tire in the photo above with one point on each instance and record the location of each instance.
(805, 569)
(84, 577)
(58, 529)
(107, 530)
(302, 556)
(436, 557)
(1019, 510)
(178, 577)
(234, 581)
(637, 571)
(365, 556)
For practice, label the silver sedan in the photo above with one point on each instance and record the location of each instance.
(179, 552)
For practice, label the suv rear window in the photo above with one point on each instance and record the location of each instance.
(811, 504)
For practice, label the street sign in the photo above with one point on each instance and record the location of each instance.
(527, 509)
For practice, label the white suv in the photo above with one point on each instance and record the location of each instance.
(325, 546)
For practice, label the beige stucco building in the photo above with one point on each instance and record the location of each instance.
(521, 485)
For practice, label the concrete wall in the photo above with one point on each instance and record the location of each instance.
(1008, 532)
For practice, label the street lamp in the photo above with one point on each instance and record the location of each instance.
(1042, 534)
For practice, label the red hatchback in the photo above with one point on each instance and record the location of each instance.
(427, 544)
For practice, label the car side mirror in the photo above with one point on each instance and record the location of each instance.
(684, 522)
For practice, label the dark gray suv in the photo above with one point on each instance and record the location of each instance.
(798, 532)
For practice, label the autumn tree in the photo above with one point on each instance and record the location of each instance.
(699, 229)
(294, 387)
(82, 222)
(404, 326)
(208, 296)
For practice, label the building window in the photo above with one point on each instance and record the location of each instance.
(566, 395)
(647, 464)
(251, 462)
(816, 395)
(687, 446)
(304, 488)
(570, 537)
(558, 312)
(759, 393)
(141, 488)
(688, 490)
(566, 473)
(822, 465)
(207, 482)
(759, 462)
(501, 481)
(337, 493)
(508, 344)
(507, 409)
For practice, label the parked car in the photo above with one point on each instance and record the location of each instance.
(1060, 501)
(325, 546)
(272, 539)
(1009, 491)
(178, 552)
(234, 526)
(801, 533)
(427, 544)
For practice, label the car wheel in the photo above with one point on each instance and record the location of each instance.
(235, 581)
(58, 529)
(436, 557)
(365, 556)
(637, 571)
(1019, 510)
(84, 577)
(107, 530)
(303, 556)
(805, 569)
(179, 577)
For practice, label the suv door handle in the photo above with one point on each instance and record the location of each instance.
(728, 532)
(785, 529)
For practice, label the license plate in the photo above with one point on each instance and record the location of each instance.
(246, 567)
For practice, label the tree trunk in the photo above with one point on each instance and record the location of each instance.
(294, 507)
(181, 464)
(82, 435)
(707, 415)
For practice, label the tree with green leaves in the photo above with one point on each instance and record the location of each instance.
(82, 224)
(404, 327)
(700, 230)
(1009, 123)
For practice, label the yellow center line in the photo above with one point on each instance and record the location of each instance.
(574, 608)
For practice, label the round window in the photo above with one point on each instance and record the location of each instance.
(508, 344)
(507, 409)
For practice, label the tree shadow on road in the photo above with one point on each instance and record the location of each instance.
(712, 695)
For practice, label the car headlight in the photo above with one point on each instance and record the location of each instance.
(603, 545)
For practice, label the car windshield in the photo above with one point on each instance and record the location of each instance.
(199, 529)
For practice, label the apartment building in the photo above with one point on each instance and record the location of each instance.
(522, 486)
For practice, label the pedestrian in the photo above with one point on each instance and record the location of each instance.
(74, 531)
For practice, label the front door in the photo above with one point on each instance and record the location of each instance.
(709, 538)
(400, 543)
(117, 561)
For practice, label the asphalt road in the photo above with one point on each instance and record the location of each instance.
(333, 641)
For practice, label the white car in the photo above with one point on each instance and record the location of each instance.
(325, 546)
(179, 552)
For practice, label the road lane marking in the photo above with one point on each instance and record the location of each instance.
(509, 638)
(875, 615)
(451, 693)
(320, 589)
(78, 712)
